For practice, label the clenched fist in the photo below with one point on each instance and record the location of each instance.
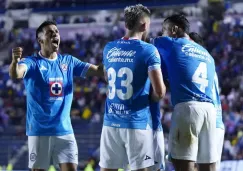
(17, 54)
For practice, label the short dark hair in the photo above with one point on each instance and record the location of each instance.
(196, 38)
(134, 13)
(43, 25)
(179, 20)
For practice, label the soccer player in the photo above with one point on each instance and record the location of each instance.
(217, 103)
(48, 78)
(127, 136)
(190, 70)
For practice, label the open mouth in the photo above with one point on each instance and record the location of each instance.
(55, 42)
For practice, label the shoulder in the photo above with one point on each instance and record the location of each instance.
(150, 49)
(64, 56)
(147, 46)
(162, 41)
(110, 44)
(32, 58)
(150, 52)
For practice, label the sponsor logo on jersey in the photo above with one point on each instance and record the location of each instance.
(118, 109)
(42, 68)
(116, 125)
(147, 157)
(64, 67)
(193, 51)
(118, 55)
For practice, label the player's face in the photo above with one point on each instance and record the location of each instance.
(51, 38)
(147, 27)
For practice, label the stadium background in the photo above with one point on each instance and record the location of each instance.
(85, 27)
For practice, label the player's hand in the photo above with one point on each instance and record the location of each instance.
(17, 54)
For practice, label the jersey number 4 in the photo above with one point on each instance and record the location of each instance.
(200, 76)
(126, 83)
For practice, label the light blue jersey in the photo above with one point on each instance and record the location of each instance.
(217, 103)
(127, 63)
(49, 88)
(189, 68)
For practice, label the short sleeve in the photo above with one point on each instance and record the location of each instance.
(153, 60)
(29, 63)
(80, 68)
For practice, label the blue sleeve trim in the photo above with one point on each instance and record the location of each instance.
(153, 67)
(85, 70)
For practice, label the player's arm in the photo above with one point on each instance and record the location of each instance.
(158, 85)
(84, 69)
(17, 70)
(155, 75)
(95, 70)
(163, 44)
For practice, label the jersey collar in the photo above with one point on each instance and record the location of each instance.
(129, 38)
(39, 53)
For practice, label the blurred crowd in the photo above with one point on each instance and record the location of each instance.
(224, 42)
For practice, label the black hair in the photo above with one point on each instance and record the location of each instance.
(134, 13)
(179, 20)
(196, 38)
(42, 26)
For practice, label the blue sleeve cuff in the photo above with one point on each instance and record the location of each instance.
(153, 67)
(85, 70)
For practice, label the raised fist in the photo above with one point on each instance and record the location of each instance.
(17, 54)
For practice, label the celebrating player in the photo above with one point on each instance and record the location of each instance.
(217, 103)
(190, 70)
(127, 136)
(48, 78)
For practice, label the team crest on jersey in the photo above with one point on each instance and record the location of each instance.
(56, 89)
(64, 67)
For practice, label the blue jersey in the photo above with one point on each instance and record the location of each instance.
(127, 63)
(217, 103)
(189, 68)
(49, 88)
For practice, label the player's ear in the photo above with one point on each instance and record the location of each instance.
(40, 41)
(143, 27)
(126, 26)
(174, 29)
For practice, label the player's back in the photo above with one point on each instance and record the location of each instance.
(190, 69)
(127, 62)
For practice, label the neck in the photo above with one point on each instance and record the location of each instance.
(186, 35)
(48, 55)
(183, 35)
(135, 35)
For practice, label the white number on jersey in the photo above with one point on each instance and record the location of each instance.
(124, 83)
(200, 76)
